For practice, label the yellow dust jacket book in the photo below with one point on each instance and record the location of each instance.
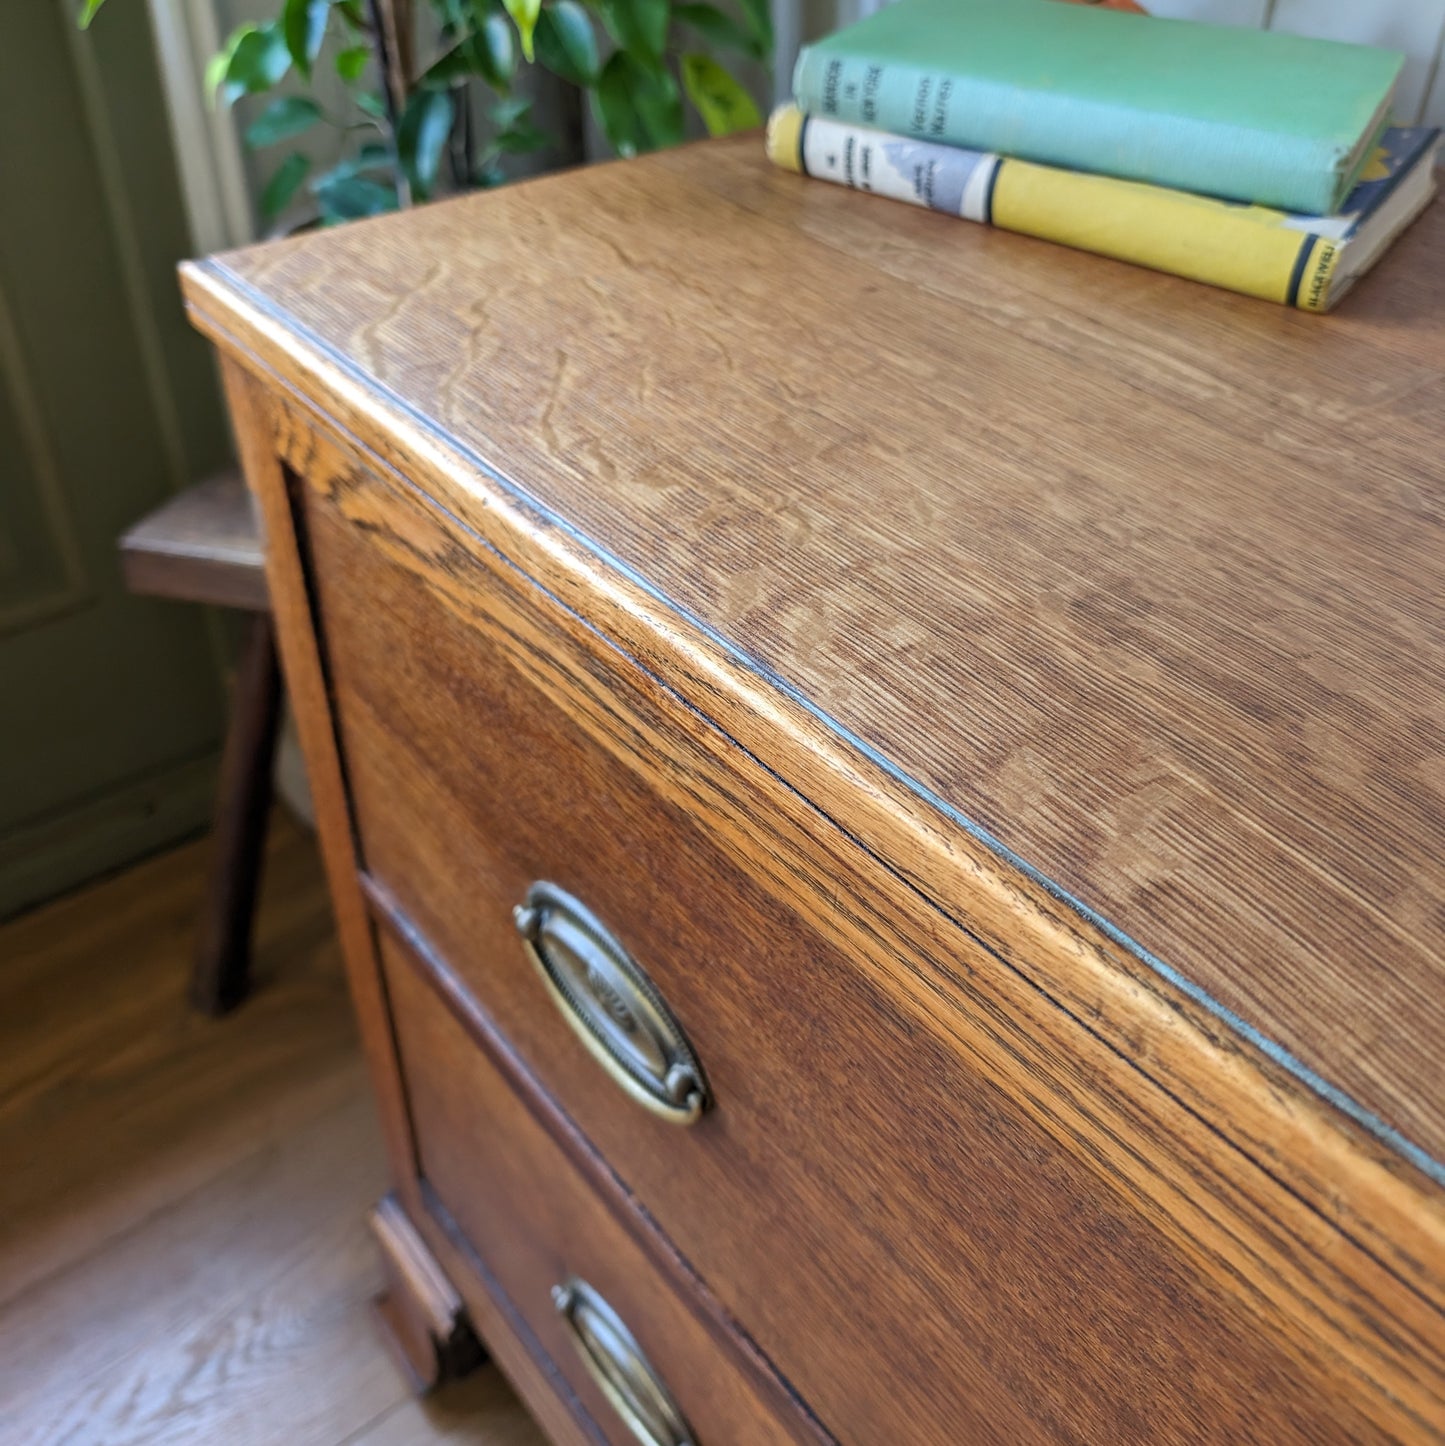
(1303, 261)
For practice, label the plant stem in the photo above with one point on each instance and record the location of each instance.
(389, 20)
(456, 140)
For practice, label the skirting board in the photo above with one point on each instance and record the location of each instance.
(105, 832)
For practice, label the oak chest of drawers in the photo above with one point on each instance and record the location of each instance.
(884, 790)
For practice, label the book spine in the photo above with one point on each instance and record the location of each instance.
(1055, 128)
(1244, 249)
(950, 179)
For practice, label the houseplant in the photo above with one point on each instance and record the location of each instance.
(409, 120)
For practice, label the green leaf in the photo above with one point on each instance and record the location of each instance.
(508, 111)
(374, 156)
(612, 104)
(303, 24)
(372, 103)
(216, 68)
(524, 15)
(760, 22)
(420, 136)
(639, 108)
(637, 25)
(521, 140)
(285, 117)
(344, 198)
(487, 52)
(283, 183)
(712, 24)
(656, 98)
(258, 61)
(566, 44)
(496, 51)
(351, 63)
(453, 65)
(87, 12)
(722, 103)
(220, 90)
(353, 14)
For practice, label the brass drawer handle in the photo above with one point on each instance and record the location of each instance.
(611, 1004)
(615, 1361)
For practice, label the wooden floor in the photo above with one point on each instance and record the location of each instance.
(183, 1254)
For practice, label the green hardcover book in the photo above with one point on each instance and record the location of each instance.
(1249, 115)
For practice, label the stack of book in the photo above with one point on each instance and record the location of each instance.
(1254, 160)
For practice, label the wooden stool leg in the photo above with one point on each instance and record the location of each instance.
(221, 975)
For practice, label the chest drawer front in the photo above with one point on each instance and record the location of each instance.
(870, 1204)
(645, 1366)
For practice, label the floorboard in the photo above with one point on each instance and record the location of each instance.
(183, 1249)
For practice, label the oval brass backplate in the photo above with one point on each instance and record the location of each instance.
(623, 1374)
(612, 1006)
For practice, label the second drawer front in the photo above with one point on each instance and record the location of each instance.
(643, 1364)
(920, 1260)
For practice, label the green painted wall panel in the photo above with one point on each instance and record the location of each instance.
(107, 404)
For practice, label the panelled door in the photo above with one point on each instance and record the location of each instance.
(110, 706)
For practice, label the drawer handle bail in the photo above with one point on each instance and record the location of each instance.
(612, 1006)
(615, 1361)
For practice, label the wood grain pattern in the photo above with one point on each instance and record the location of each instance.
(203, 545)
(306, 684)
(510, 1343)
(1141, 577)
(183, 1254)
(537, 1222)
(256, 419)
(422, 1317)
(479, 1411)
(576, 768)
(1343, 1172)
(95, 1034)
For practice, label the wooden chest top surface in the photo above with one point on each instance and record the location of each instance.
(1138, 583)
